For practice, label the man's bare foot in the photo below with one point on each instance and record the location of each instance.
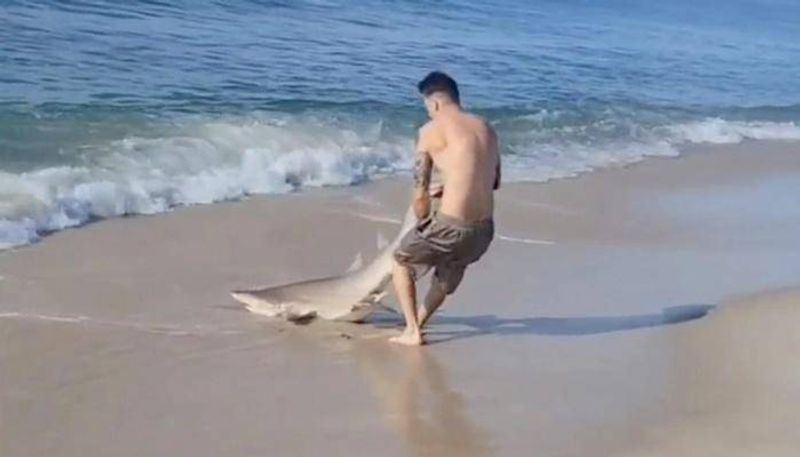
(408, 339)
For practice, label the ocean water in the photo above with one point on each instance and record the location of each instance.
(111, 108)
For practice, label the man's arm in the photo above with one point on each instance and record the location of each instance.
(423, 167)
(497, 174)
(497, 167)
(422, 181)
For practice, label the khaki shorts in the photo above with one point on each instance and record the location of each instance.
(447, 244)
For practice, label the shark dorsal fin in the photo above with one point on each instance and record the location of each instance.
(382, 242)
(358, 262)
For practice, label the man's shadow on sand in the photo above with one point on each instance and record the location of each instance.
(490, 324)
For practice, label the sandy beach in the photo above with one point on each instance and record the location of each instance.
(649, 310)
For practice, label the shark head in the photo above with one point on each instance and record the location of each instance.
(351, 296)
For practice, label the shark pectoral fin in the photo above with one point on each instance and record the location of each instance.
(360, 312)
(376, 297)
(300, 316)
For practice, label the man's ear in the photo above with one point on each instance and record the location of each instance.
(435, 105)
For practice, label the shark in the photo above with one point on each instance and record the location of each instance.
(352, 296)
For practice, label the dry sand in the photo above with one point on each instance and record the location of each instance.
(644, 311)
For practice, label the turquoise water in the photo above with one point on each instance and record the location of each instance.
(109, 109)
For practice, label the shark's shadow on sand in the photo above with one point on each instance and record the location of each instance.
(490, 324)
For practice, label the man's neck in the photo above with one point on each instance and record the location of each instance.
(449, 108)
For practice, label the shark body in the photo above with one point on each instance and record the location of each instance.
(351, 297)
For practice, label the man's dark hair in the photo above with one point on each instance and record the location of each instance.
(437, 81)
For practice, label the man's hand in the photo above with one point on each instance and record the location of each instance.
(422, 206)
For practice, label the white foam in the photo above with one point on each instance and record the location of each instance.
(720, 131)
(43, 317)
(377, 218)
(201, 163)
(198, 162)
(525, 240)
(163, 329)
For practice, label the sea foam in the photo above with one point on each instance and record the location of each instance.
(200, 161)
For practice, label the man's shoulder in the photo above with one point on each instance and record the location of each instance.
(431, 133)
(480, 119)
(484, 124)
(428, 128)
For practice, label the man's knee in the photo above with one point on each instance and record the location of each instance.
(400, 267)
(401, 258)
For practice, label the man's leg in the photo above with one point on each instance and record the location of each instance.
(407, 296)
(444, 282)
(433, 300)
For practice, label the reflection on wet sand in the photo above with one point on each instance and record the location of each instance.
(417, 401)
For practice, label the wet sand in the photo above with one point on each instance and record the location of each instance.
(640, 311)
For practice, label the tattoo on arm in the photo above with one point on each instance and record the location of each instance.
(422, 171)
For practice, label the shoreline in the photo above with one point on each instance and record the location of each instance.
(687, 149)
(651, 325)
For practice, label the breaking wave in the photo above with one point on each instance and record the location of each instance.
(199, 161)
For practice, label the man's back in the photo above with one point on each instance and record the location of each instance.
(467, 158)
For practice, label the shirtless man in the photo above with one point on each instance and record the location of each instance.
(463, 147)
